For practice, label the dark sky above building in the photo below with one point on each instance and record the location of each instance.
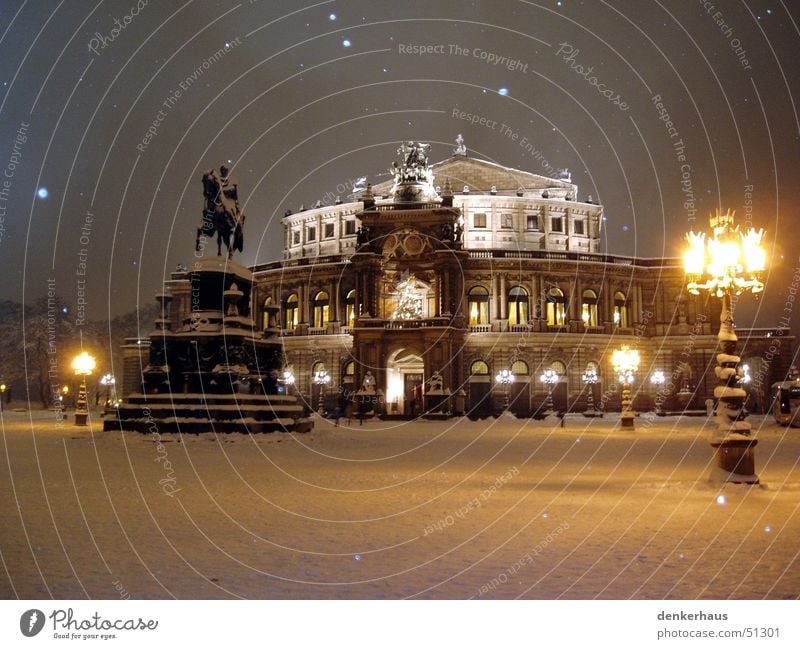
(662, 110)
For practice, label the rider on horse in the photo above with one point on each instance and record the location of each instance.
(222, 213)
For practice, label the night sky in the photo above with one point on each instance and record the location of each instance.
(111, 111)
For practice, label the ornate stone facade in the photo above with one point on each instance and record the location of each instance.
(471, 268)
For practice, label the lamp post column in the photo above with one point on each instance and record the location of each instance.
(735, 449)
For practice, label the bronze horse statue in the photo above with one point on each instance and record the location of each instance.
(222, 214)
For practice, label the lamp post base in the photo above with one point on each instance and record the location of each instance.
(80, 418)
(736, 461)
(626, 420)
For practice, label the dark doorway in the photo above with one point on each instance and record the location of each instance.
(480, 399)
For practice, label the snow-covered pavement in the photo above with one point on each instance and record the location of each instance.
(461, 509)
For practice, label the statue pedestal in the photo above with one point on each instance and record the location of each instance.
(212, 371)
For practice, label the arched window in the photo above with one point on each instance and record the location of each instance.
(478, 304)
(520, 368)
(349, 369)
(517, 306)
(556, 307)
(589, 308)
(350, 308)
(479, 368)
(321, 309)
(317, 368)
(265, 313)
(559, 367)
(620, 309)
(290, 312)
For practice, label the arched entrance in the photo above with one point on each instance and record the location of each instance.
(405, 381)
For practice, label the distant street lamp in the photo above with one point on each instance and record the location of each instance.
(288, 380)
(590, 378)
(658, 379)
(549, 377)
(505, 378)
(322, 378)
(728, 263)
(3, 388)
(83, 365)
(108, 382)
(625, 362)
(745, 378)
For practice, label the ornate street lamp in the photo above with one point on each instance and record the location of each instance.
(322, 378)
(625, 362)
(658, 379)
(727, 263)
(590, 378)
(505, 378)
(108, 382)
(549, 377)
(83, 365)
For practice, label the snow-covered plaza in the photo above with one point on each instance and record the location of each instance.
(496, 508)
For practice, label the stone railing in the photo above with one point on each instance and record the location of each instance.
(572, 255)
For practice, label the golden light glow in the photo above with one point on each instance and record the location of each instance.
(694, 259)
(730, 261)
(625, 362)
(755, 257)
(83, 364)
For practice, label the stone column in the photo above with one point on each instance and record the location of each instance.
(495, 304)
(574, 300)
(503, 297)
(608, 302)
(438, 294)
(446, 295)
(333, 293)
(301, 303)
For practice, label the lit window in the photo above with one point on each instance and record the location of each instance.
(290, 312)
(350, 308)
(620, 310)
(556, 307)
(265, 313)
(520, 368)
(479, 221)
(479, 368)
(517, 306)
(589, 308)
(321, 309)
(478, 305)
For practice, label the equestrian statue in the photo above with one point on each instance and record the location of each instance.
(221, 213)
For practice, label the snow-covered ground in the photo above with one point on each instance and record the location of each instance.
(489, 509)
